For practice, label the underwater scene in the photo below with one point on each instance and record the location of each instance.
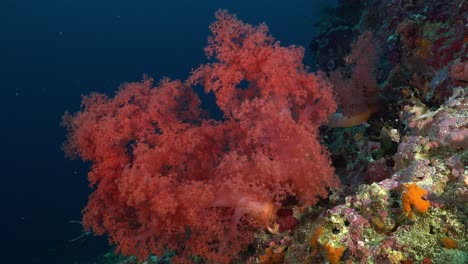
(244, 132)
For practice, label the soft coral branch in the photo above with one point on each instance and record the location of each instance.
(356, 89)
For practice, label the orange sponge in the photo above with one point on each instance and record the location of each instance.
(334, 254)
(314, 239)
(449, 242)
(412, 197)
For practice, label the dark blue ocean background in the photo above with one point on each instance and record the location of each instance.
(55, 51)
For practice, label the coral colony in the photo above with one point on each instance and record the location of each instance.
(364, 161)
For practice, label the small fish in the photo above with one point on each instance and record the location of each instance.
(340, 120)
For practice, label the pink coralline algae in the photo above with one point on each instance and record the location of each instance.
(447, 125)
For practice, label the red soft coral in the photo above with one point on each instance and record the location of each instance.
(357, 89)
(168, 178)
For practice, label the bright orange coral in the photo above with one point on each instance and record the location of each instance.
(334, 254)
(314, 239)
(413, 197)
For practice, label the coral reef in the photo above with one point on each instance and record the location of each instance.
(257, 186)
(405, 188)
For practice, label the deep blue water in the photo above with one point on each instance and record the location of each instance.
(52, 52)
